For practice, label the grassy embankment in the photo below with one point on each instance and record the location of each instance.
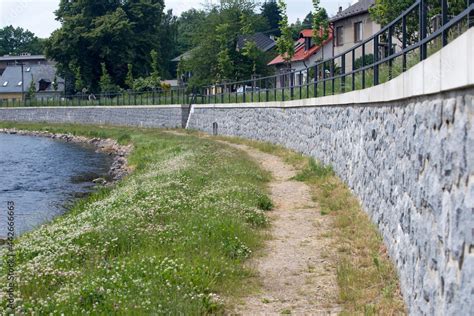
(169, 239)
(367, 279)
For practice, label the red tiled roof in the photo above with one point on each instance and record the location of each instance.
(306, 33)
(300, 52)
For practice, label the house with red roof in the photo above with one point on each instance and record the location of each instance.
(307, 53)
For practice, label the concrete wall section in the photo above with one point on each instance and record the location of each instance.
(140, 116)
(410, 162)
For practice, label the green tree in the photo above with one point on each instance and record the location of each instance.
(55, 83)
(250, 49)
(320, 24)
(271, 12)
(129, 79)
(225, 66)
(216, 37)
(155, 70)
(153, 81)
(30, 94)
(79, 84)
(182, 67)
(106, 84)
(113, 32)
(168, 44)
(15, 41)
(285, 43)
(188, 23)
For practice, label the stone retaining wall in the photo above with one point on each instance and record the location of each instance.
(139, 116)
(410, 162)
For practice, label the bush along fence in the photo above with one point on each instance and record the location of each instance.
(398, 46)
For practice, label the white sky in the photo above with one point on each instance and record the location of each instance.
(38, 15)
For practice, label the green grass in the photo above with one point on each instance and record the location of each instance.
(169, 239)
(367, 279)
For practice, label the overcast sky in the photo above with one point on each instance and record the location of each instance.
(38, 15)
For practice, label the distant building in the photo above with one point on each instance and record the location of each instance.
(26, 59)
(352, 26)
(37, 70)
(306, 55)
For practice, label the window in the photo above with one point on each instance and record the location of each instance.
(5, 83)
(357, 32)
(339, 35)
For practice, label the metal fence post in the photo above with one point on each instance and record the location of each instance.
(423, 29)
(363, 66)
(343, 73)
(275, 89)
(404, 42)
(444, 17)
(324, 79)
(471, 14)
(292, 85)
(390, 62)
(300, 83)
(332, 76)
(316, 78)
(353, 69)
(376, 59)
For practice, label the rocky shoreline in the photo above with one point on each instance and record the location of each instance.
(119, 168)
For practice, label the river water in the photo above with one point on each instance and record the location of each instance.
(43, 177)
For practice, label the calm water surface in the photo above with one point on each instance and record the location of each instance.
(43, 176)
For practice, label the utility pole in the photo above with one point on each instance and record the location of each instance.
(22, 80)
(22, 83)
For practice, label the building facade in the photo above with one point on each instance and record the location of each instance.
(25, 73)
(351, 27)
(307, 54)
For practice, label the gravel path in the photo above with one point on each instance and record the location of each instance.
(295, 269)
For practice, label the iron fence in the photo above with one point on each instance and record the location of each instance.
(128, 98)
(401, 44)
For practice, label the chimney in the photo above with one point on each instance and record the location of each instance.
(340, 10)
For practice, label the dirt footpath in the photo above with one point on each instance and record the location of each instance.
(295, 269)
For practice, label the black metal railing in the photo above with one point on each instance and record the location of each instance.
(156, 97)
(401, 44)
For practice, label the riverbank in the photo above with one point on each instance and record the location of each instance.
(171, 238)
(120, 152)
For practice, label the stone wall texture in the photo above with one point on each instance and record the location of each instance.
(410, 162)
(139, 116)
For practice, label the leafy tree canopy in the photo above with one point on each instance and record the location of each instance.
(320, 24)
(16, 41)
(215, 57)
(271, 12)
(285, 43)
(113, 32)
